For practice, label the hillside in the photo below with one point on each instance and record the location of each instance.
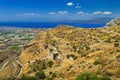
(66, 51)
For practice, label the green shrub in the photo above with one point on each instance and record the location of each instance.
(50, 64)
(88, 76)
(96, 62)
(40, 75)
(28, 78)
(15, 47)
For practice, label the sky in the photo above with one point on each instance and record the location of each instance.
(55, 10)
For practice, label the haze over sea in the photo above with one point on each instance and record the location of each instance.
(47, 24)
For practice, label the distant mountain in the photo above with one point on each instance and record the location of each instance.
(91, 21)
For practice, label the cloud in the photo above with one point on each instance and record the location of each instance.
(70, 4)
(107, 12)
(52, 13)
(97, 12)
(59, 13)
(28, 14)
(63, 12)
(80, 12)
(100, 12)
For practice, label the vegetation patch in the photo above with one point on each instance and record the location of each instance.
(88, 76)
(96, 62)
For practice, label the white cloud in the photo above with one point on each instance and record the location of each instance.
(28, 14)
(80, 12)
(52, 13)
(107, 12)
(70, 4)
(63, 12)
(100, 12)
(97, 12)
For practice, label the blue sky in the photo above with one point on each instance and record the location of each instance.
(51, 10)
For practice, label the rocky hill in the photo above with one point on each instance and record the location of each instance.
(70, 53)
(114, 22)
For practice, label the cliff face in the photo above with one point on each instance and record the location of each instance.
(114, 22)
(74, 51)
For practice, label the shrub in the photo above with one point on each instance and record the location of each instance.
(48, 78)
(79, 51)
(117, 50)
(87, 47)
(108, 41)
(28, 78)
(116, 45)
(50, 64)
(72, 55)
(88, 76)
(96, 62)
(75, 48)
(106, 78)
(118, 56)
(83, 55)
(15, 47)
(44, 65)
(40, 75)
(54, 75)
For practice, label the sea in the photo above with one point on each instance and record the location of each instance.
(47, 24)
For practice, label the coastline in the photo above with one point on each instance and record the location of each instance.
(45, 25)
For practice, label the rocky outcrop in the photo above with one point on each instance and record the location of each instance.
(114, 22)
